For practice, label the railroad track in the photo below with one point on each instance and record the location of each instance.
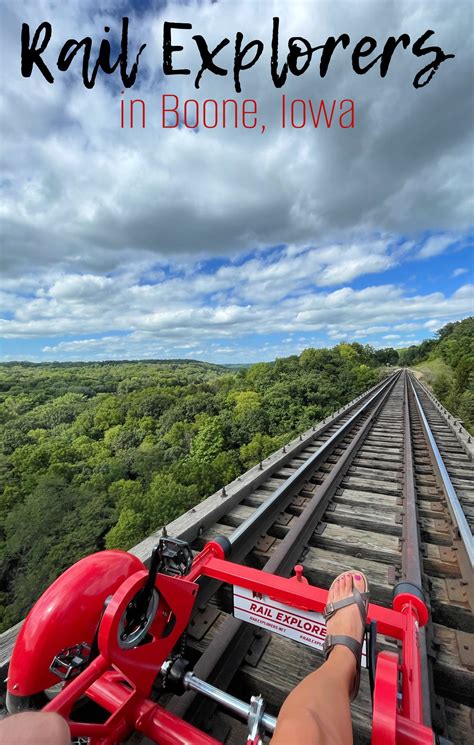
(385, 485)
(370, 496)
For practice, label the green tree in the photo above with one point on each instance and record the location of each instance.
(442, 387)
(256, 450)
(180, 436)
(166, 499)
(245, 402)
(129, 530)
(209, 440)
(107, 413)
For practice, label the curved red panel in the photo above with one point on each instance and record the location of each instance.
(66, 614)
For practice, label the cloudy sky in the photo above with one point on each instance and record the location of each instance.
(233, 245)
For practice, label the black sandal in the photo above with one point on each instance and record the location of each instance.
(361, 599)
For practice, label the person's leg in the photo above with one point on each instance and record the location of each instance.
(317, 711)
(34, 728)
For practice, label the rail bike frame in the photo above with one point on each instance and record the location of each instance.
(119, 680)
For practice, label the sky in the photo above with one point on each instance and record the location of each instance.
(233, 245)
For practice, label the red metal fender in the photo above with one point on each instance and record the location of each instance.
(384, 724)
(66, 614)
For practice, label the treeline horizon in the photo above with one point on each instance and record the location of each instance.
(406, 356)
(98, 455)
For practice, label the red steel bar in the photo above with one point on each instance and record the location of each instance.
(129, 709)
(299, 594)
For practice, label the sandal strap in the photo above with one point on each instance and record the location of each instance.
(359, 598)
(356, 648)
(346, 641)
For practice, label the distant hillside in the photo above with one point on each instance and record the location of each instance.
(446, 364)
(115, 363)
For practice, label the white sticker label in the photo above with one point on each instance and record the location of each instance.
(305, 626)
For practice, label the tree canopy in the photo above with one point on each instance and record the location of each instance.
(455, 347)
(98, 455)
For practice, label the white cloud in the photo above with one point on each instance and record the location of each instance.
(176, 312)
(108, 231)
(436, 245)
(459, 272)
(84, 287)
(406, 326)
(81, 194)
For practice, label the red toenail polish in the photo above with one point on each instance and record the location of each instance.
(357, 576)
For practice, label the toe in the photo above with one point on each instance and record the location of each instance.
(359, 581)
(346, 585)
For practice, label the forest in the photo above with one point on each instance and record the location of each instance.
(98, 455)
(447, 365)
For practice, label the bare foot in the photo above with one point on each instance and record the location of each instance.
(346, 621)
(41, 728)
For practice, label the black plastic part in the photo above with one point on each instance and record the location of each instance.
(137, 608)
(372, 656)
(224, 543)
(71, 661)
(170, 556)
(95, 641)
(175, 557)
(175, 675)
(410, 588)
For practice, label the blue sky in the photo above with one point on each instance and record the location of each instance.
(226, 245)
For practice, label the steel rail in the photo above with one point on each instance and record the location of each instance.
(290, 548)
(243, 538)
(455, 506)
(226, 651)
(412, 571)
(454, 423)
(260, 518)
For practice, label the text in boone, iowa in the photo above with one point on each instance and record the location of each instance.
(231, 113)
